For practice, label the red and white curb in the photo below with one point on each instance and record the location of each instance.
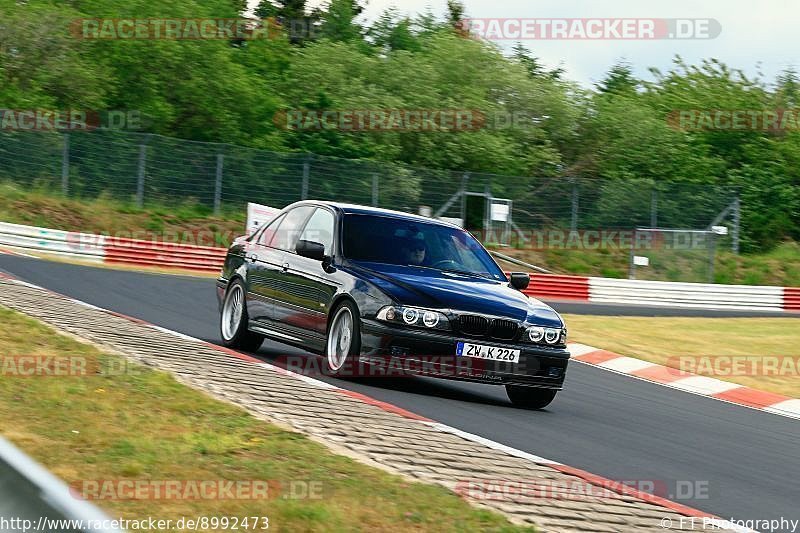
(588, 477)
(686, 381)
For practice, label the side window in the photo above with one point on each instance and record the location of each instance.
(320, 229)
(268, 233)
(289, 228)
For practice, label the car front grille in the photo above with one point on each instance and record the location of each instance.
(480, 326)
(503, 329)
(474, 325)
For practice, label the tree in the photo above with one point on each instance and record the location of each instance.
(619, 80)
(267, 9)
(288, 9)
(391, 32)
(455, 14)
(292, 16)
(788, 89)
(338, 20)
(535, 69)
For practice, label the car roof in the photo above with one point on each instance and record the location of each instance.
(355, 209)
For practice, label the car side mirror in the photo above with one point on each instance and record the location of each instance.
(520, 280)
(310, 249)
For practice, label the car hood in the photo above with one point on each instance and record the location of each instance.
(429, 288)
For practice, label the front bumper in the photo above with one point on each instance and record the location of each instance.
(432, 354)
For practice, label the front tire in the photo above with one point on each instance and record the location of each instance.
(530, 397)
(344, 340)
(234, 319)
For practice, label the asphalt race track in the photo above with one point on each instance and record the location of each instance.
(609, 424)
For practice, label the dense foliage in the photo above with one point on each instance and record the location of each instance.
(617, 135)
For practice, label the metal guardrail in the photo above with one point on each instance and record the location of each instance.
(51, 241)
(112, 250)
(686, 295)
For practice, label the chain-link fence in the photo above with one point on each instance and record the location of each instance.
(153, 169)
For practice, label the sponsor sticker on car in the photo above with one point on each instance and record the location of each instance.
(482, 351)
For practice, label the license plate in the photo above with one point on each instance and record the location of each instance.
(481, 351)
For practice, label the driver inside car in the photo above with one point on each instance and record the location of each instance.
(414, 251)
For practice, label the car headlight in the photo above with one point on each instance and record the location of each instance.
(535, 334)
(414, 316)
(542, 335)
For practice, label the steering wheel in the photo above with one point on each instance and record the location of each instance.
(443, 263)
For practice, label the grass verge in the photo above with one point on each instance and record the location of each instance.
(142, 424)
(665, 340)
(186, 223)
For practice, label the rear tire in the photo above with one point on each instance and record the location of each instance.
(530, 397)
(234, 319)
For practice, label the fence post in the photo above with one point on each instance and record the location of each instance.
(375, 190)
(464, 183)
(306, 170)
(654, 208)
(712, 252)
(65, 166)
(140, 177)
(632, 264)
(737, 218)
(218, 184)
(573, 225)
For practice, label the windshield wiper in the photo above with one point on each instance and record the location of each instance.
(466, 273)
(455, 271)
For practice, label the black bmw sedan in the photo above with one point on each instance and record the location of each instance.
(386, 291)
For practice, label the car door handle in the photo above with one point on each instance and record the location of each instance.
(285, 267)
(251, 257)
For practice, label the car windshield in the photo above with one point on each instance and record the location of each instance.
(398, 241)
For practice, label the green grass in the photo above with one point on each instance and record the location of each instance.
(145, 425)
(664, 340)
(189, 223)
